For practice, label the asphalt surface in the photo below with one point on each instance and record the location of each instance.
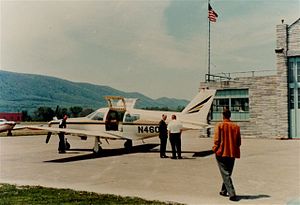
(267, 173)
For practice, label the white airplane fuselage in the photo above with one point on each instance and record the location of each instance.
(123, 120)
(135, 124)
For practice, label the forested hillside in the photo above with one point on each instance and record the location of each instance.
(20, 92)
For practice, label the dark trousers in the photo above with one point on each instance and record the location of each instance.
(61, 144)
(163, 146)
(226, 167)
(175, 140)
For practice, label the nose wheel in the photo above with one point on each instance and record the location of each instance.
(128, 145)
(9, 133)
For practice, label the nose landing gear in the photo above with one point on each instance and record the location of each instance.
(128, 145)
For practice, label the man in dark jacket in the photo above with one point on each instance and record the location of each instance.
(62, 145)
(163, 135)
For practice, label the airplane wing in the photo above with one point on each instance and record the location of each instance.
(19, 127)
(115, 135)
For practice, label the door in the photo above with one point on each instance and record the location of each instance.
(294, 96)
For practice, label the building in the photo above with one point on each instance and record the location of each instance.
(266, 106)
(17, 117)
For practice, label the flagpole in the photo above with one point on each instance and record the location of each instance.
(208, 79)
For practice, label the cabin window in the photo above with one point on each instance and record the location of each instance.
(98, 116)
(131, 118)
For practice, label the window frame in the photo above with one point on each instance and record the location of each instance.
(231, 95)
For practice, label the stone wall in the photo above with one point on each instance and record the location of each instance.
(282, 74)
(268, 95)
(263, 97)
(294, 39)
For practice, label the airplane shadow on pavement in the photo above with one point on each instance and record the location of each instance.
(144, 148)
(105, 153)
(203, 153)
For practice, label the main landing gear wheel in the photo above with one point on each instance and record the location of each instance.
(9, 133)
(67, 144)
(128, 145)
(97, 150)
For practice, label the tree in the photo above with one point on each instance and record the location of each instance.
(180, 108)
(61, 112)
(44, 114)
(26, 116)
(85, 112)
(75, 111)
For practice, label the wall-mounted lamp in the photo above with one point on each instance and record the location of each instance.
(279, 50)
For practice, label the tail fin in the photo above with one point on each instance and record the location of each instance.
(197, 110)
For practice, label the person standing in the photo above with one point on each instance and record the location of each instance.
(163, 136)
(62, 144)
(175, 129)
(227, 142)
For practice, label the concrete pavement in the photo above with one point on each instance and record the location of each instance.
(267, 173)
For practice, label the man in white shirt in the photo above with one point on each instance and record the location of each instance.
(174, 130)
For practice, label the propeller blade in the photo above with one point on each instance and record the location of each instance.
(56, 113)
(48, 137)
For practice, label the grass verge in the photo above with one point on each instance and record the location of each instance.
(33, 195)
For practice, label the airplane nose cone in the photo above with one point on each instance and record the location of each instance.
(11, 123)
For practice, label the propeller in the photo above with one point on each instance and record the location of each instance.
(56, 112)
(48, 137)
(54, 118)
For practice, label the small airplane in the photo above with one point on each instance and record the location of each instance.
(121, 121)
(7, 126)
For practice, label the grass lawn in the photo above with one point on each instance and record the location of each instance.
(14, 195)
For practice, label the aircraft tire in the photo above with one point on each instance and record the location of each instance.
(68, 146)
(128, 145)
(9, 133)
(99, 150)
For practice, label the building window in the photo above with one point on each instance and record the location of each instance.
(292, 98)
(298, 98)
(220, 104)
(237, 100)
(298, 71)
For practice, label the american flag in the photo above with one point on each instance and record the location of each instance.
(212, 15)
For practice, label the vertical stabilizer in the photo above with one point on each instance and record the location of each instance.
(197, 110)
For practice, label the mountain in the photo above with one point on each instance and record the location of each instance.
(28, 92)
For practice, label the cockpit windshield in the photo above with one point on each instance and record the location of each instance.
(97, 115)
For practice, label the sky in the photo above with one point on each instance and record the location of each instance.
(156, 47)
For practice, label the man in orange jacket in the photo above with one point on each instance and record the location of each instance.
(227, 142)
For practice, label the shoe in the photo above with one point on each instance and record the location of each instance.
(173, 158)
(164, 156)
(61, 152)
(179, 157)
(223, 193)
(233, 198)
